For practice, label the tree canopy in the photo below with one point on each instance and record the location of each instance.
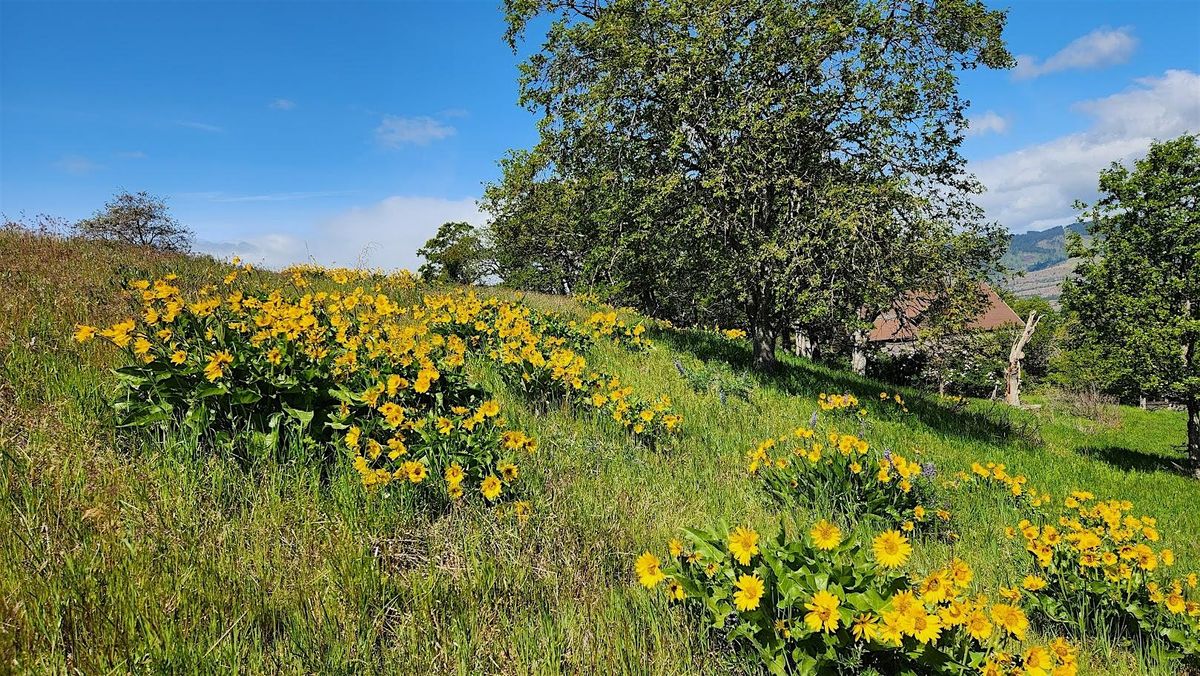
(457, 253)
(1136, 295)
(763, 164)
(137, 218)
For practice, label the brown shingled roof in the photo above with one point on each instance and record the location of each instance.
(888, 328)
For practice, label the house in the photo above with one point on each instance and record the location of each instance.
(897, 337)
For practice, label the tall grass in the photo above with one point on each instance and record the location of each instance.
(122, 552)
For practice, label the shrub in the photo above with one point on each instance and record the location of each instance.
(717, 378)
(1017, 486)
(824, 603)
(606, 324)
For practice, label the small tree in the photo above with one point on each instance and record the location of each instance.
(457, 253)
(140, 219)
(1137, 291)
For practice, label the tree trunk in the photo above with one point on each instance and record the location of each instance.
(804, 344)
(764, 330)
(1193, 434)
(858, 357)
(763, 339)
(1012, 374)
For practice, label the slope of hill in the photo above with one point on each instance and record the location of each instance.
(127, 551)
(1042, 256)
(1040, 249)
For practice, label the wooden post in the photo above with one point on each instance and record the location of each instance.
(1012, 374)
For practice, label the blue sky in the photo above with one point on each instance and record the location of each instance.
(347, 131)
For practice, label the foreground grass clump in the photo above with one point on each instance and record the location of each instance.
(160, 550)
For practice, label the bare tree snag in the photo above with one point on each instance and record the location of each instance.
(858, 357)
(1012, 374)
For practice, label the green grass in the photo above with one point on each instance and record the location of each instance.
(123, 552)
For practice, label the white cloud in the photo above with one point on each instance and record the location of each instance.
(386, 235)
(1101, 47)
(77, 164)
(1037, 185)
(985, 123)
(201, 126)
(395, 131)
(132, 155)
(283, 104)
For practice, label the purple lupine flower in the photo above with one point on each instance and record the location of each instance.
(812, 421)
(929, 470)
(887, 454)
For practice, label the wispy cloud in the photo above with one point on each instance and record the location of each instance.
(988, 122)
(1037, 185)
(1101, 47)
(395, 131)
(385, 234)
(211, 128)
(77, 164)
(283, 104)
(132, 155)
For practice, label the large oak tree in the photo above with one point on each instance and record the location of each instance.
(760, 162)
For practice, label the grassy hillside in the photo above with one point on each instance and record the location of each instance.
(124, 551)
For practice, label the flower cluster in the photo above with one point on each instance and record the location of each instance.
(845, 473)
(1100, 567)
(825, 602)
(303, 274)
(1016, 485)
(894, 398)
(536, 356)
(836, 403)
(606, 324)
(352, 366)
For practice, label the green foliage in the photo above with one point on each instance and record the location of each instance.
(747, 164)
(152, 539)
(456, 254)
(1137, 292)
(717, 378)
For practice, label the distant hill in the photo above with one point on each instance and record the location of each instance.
(1042, 256)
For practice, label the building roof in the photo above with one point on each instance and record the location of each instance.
(996, 314)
